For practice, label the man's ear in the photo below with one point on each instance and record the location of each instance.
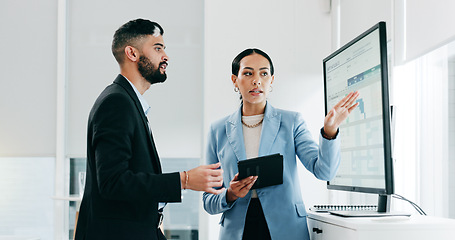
(132, 53)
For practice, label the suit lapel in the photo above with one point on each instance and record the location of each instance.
(234, 133)
(154, 151)
(270, 127)
(122, 81)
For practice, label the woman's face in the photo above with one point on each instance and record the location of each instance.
(254, 79)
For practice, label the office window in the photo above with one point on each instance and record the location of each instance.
(26, 204)
(424, 92)
(451, 143)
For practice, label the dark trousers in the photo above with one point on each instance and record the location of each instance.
(255, 224)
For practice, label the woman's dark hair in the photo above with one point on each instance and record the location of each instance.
(131, 33)
(247, 52)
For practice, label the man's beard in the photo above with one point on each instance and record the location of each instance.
(145, 67)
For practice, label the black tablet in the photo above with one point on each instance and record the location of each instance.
(269, 170)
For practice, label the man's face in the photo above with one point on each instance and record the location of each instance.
(153, 60)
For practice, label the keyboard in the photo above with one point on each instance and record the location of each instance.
(327, 208)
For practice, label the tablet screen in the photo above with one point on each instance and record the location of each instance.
(269, 170)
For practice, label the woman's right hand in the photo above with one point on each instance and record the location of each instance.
(239, 188)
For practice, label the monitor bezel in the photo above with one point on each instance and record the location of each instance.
(388, 160)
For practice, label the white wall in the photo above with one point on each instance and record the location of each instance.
(422, 17)
(358, 16)
(296, 35)
(28, 68)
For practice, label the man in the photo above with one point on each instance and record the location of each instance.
(125, 188)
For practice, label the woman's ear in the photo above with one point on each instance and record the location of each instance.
(234, 80)
(273, 78)
(132, 53)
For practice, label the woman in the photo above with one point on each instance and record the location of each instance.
(258, 129)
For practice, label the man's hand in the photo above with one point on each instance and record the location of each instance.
(203, 178)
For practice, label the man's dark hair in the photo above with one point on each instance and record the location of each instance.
(131, 34)
(247, 52)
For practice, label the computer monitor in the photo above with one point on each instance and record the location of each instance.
(366, 155)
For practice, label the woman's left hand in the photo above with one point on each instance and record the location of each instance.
(339, 113)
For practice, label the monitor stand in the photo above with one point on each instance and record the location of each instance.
(383, 210)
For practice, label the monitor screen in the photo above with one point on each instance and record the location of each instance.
(361, 65)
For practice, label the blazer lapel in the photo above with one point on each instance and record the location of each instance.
(122, 81)
(234, 133)
(270, 127)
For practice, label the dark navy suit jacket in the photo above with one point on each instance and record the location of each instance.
(124, 180)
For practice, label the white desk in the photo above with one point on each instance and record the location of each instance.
(325, 226)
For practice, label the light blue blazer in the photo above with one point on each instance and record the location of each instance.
(283, 132)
